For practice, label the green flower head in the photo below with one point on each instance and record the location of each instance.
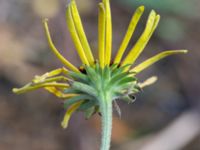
(97, 83)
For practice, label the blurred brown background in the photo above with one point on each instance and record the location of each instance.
(166, 116)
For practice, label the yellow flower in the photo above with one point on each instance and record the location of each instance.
(77, 88)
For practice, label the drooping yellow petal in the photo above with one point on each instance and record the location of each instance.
(148, 82)
(31, 87)
(108, 36)
(101, 34)
(48, 81)
(69, 112)
(134, 21)
(81, 33)
(51, 80)
(54, 75)
(55, 51)
(56, 72)
(59, 93)
(75, 37)
(143, 40)
(156, 58)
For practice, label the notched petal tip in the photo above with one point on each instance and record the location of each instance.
(151, 17)
(101, 6)
(141, 8)
(153, 12)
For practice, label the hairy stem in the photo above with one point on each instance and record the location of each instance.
(106, 112)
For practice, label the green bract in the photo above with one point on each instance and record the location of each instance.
(112, 81)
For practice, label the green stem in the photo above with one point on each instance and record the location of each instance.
(106, 112)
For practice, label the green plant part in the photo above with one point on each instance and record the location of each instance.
(98, 88)
(96, 85)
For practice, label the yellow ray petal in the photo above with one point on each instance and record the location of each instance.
(55, 75)
(101, 34)
(39, 80)
(69, 112)
(55, 51)
(57, 72)
(143, 40)
(156, 58)
(59, 93)
(31, 87)
(157, 20)
(108, 36)
(81, 33)
(75, 37)
(134, 21)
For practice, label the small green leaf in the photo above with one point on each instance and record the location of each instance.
(89, 112)
(126, 80)
(116, 78)
(75, 99)
(79, 77)
(93, 76)
(84, 88)
(106, 73)
(87, 104)
(113, 67)
(120, 69)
